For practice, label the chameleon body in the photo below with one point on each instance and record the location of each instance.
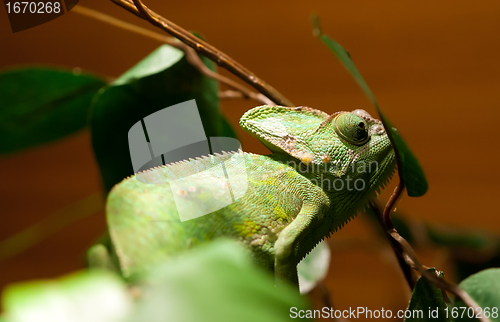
(322, 170)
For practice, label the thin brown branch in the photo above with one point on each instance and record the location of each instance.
(408, 255)
(191, 55)
(236, 94)
(230, 94)
(391, 204)
(193, 58)
(396, 247)
(438, 281)
(205, 49)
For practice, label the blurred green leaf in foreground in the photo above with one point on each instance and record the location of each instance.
(214, 282)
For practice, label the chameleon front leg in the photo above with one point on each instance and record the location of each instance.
(285, 261)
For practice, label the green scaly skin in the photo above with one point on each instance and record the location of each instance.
(289, 200)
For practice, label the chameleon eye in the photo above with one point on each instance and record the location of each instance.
(351, 128)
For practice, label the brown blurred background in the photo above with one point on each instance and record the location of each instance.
(433, 66)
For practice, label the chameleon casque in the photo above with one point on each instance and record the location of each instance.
(322, 170)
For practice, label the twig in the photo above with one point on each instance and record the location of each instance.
(236, 94)
(205, 49)
(408, 255)
(191, 55)
(396, 247)
(438, 281)
(396, 195)
(230, 94)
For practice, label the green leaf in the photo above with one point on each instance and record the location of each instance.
(427, 303)
(40, 105)
(484, 288)
(214, 282)
(162, 79)
(85, 296)
(410, 170)
(314, 267)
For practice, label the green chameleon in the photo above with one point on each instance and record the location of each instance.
(323, 170)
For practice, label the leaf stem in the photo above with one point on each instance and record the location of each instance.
(407, 269)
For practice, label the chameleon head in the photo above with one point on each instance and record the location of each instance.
(351, 147)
